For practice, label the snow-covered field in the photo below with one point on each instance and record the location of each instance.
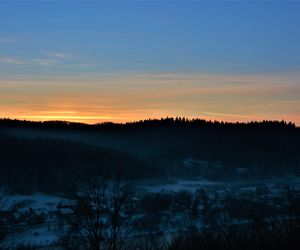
(174, 185)
(39, 218)
(35, 219)
(38, 201)
(177, 184)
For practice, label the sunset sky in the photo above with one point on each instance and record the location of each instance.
(95, 61)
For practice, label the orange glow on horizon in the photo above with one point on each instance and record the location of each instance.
(66, 118)
(118, 119)
(126, 98)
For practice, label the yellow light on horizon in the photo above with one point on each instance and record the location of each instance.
(132, 97)
(74, 118)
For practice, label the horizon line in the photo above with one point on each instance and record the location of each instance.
(186, 119)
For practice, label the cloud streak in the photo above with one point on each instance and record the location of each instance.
(33, 61)
(60, 55)
(11, 60)
(231, 115)
(50, 60)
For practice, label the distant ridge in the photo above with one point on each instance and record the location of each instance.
(178, 122)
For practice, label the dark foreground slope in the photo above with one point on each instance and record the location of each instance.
(42, 156)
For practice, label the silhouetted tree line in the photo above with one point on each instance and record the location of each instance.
(163, 122)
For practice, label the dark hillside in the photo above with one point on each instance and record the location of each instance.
(41, 156)
(46, 165)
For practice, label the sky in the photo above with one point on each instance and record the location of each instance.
(119, 61)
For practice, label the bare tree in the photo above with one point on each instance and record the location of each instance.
(102, 208)
(90, 211)
(118, 207)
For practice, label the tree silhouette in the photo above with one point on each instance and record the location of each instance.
(102, 208)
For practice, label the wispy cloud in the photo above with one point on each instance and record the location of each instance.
(11, 60)
(230, 115)
(60, 55)
(43, 62)
(21, 61)
(49, 58)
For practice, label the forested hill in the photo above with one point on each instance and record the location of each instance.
(42, 155)
(177, 122)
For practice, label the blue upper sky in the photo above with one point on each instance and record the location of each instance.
(199, 36)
